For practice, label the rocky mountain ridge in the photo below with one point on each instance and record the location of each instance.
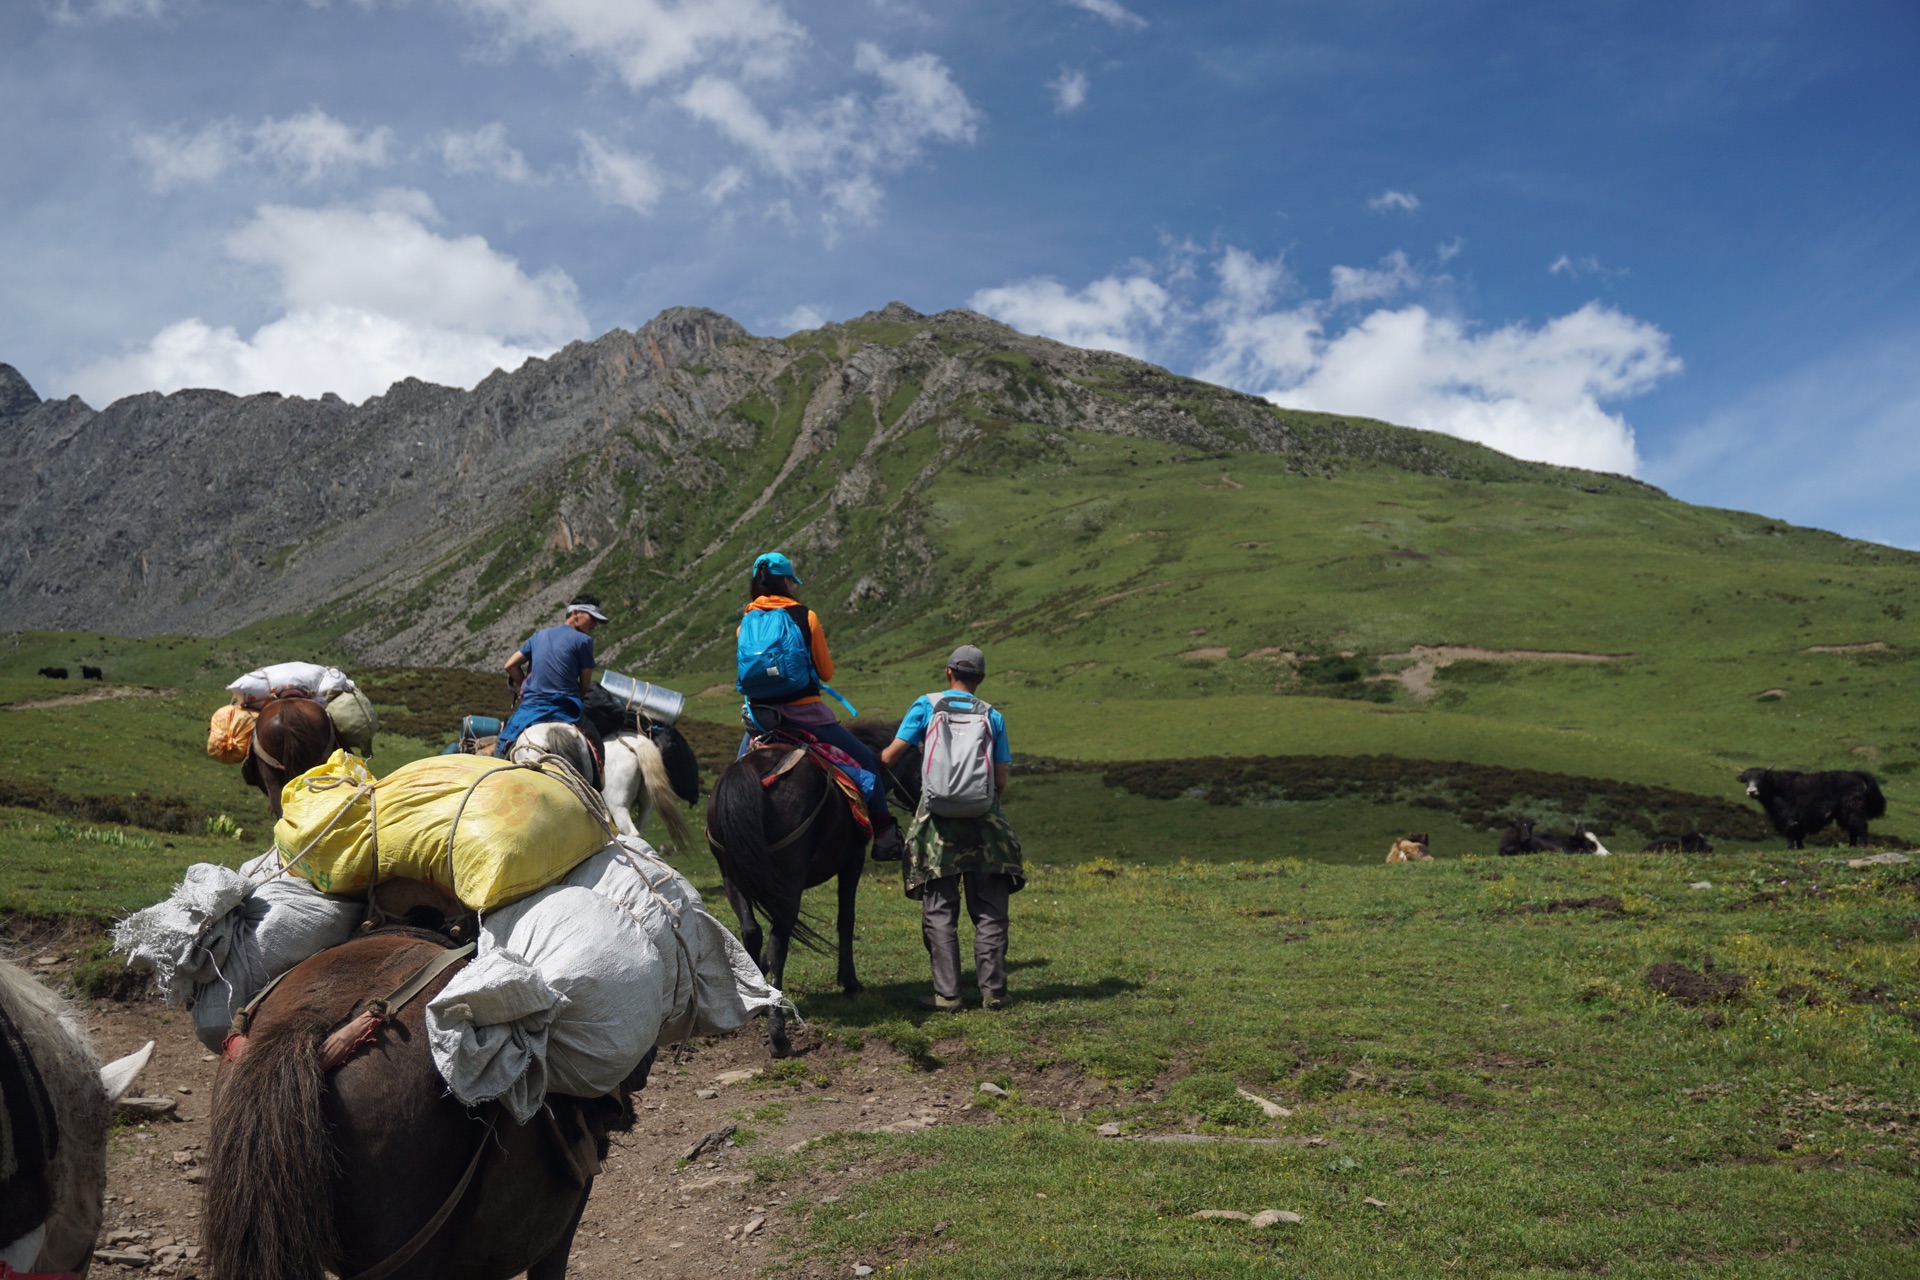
(434, 524)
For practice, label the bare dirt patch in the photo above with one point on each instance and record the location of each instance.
(1426, 660)
(1870, 646)
(1690, 986)
(105, 693)
(1212, 653)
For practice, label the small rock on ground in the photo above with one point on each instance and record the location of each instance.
(1108, 1130)
(1232, 1215)
(737, 1077)
(1275, 1217)
(1268, 1107)
(992, 1090)
(1888, 859)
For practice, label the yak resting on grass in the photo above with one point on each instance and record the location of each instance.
(1801, 804)
(1692, 842)
(1519, 838)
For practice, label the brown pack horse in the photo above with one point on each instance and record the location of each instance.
(346, 1172)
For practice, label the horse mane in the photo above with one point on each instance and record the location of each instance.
(291, 736)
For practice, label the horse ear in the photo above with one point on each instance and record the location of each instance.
(117, 1076)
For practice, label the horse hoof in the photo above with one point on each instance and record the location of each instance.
(852, 986)
(780, 1047)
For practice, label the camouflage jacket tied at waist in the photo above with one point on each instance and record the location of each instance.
(939, 847)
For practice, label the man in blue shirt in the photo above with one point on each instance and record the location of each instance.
(555, 668)
(946, 855)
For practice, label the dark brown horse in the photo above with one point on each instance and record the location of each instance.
(291, 736)
(774, 841)
(310, 1170)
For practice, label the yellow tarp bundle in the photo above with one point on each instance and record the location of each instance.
(489, 831)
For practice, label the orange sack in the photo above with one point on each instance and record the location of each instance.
(230, 733)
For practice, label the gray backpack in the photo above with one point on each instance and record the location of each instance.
(956, 772)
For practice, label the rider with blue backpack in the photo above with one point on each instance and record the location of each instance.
(784, 667)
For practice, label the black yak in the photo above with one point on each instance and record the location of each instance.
(1801, 804)
(1692, 842)
(54, 673)
(1519, 838)
(91, 673)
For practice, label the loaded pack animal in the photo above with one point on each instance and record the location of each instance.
(56, 1102)
(1411, 848)
(54, 673)
(336, 1147)
(1803, 804)
(778, 825)
(632, 774)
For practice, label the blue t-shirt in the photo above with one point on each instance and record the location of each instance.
(557, 656)
(914, 728)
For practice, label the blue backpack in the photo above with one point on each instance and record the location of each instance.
(775, 661)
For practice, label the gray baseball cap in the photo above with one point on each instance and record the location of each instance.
(968, 660)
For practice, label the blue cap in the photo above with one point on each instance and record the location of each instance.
(779, 566)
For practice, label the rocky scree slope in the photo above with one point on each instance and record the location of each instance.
(437, 525)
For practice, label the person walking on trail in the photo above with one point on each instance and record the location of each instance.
(960, 839)
(555, 671)
(784, 665)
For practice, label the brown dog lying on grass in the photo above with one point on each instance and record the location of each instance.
(1411, 848)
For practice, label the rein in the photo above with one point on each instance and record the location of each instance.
(404, 1254)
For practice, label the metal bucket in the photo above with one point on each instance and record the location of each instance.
(662, 706)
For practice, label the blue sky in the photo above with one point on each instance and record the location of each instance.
(1681, 240)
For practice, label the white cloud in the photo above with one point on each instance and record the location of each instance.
(724, 184)
(73, 12)
(1069, 90)
(1400, 200)
(1113, 314)
(1585, 265)
(485, 151)
(1447, 252)
(1534, 392)
(843, 144)
(620, 177)
(647, 41)
(804, 316)
(1370, 284)
(309, 146)
(372, 295)
(1112, 11)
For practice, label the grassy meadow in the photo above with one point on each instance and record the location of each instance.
(1200, 661)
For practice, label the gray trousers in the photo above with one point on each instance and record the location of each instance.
(987, 894)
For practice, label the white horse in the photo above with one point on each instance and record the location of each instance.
(636, 775)
(70, 1118)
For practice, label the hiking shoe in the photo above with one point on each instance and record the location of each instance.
(993, 1002)
(941, 1004)
(889, 845)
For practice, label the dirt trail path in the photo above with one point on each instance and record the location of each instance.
(647, 1216)
(105, 693)
(1870, 646)
(1427, 660)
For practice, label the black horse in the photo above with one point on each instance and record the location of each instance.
(779, 826)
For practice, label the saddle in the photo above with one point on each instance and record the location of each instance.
(801, 745)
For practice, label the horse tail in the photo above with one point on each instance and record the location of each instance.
(653, 773)
(737, 818)
(269, 1208)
